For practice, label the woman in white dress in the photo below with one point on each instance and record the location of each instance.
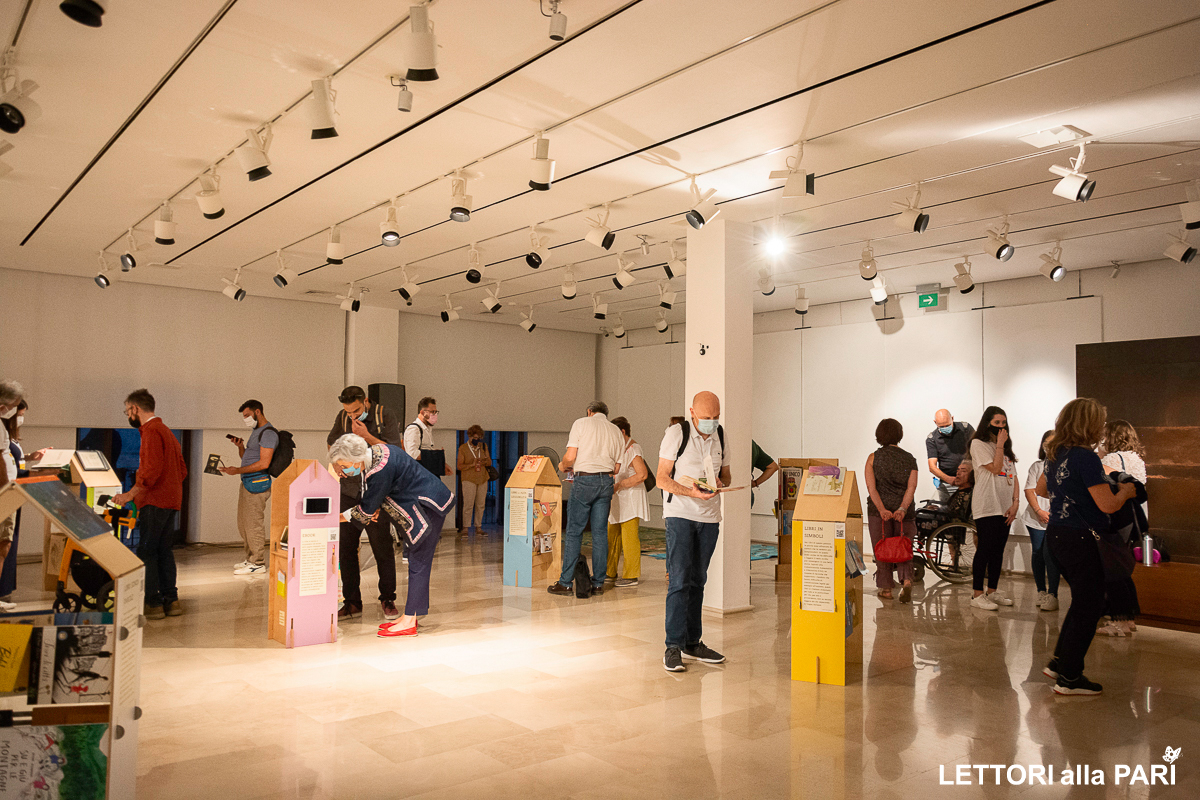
(628, 507)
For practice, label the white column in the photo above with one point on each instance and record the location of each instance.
(720, 318)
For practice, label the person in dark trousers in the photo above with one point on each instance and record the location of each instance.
(994, 505)
(945, 447)
(158, 495)
(376, 425)
(1081, 498)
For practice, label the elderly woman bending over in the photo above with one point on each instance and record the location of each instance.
(415, 499)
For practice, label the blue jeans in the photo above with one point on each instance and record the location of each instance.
(591, 497)
(1043, 561)
(690, 547)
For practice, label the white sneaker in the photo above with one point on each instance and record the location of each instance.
(982, 602)
(999, 599)
(240, 564)
(1041, 598)
(250, 569)
(1050, 603)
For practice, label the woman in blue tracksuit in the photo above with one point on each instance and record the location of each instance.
(415, 499)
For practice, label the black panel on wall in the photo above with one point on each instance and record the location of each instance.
(391, 396)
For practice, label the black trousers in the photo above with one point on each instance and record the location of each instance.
(1079, 559)
(379, 534)
(989, 555)
(156, 529)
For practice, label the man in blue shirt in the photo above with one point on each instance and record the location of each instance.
(946, 446)
(255, 491)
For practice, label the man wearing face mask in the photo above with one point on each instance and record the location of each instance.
(418, 439)
(158, 495)
(255, 491)
(11, 393)
(377, 425)
(946, 446)
(692, 514)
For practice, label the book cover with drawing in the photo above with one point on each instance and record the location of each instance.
(825, 480)
(53, 762)
(14, 657)
(71, 664)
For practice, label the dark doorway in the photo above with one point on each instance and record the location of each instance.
(505, 448)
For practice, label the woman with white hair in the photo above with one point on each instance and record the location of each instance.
(415, 499)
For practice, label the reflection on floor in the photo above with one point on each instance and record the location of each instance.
(516, 693)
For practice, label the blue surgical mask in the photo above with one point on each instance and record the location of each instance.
(362, 417)
(707, 426)
(352, 472)
(945, 430)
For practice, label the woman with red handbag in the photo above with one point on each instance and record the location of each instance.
(891, 476)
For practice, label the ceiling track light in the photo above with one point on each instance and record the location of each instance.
(542, 168)
(766, 284)
(17, 108)
(539, 252)
(128, 261)
(867, 268)
(492, 299)
(1075, 184)
(569, 287)
(998, 244)
(209, 196)
(599, 310)
(474, 265)
(1180, 250)
(350, 301)
(599, 233)
(164, 225)
(660, 324)
(322, 108)
(801, 300)
(1116, 270)
(527, 321)
(798, 182)
(1052, 267)
(335, 251)
(1190, 211)
(645, 244)
(911, 217)
(703, 210)
(85, 12)
(422, 46)
(450, 311)
(460, 202)
(624, 277)
(102, 279)
(389, 229)
(233, 289)
(666, 297)
(409, 287)
(558, 22)
(619, 328)
(879, 291)
(963, 279)
(404, 99)
(284, 277)
(252, 156)
(675, 265)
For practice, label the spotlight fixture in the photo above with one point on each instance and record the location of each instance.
(252, 156)
(599, 233)
(102, 280)
(4, 148)
(599, 310)
(911, 216)
(1116, 270)
(321, 109)
(645, 244)
(1052, 267)
(619, 328)
(492, 301)
(675, 265)
(409, 288)
(85, 12)
(164, 225)
(389, 229)
(283, 276)
(422, 46)
(335, 251)
(660, 324)
(766, 284)
(666, 297)
(474, 265)
(527, 321)
(404, 99)
(460, 202)
(569, 287)
(703, 210)
(998, 244)
(350, 301)
(867, 267)
(801, 300)
(209, 196)
(542, 170)
(1191, 215)
(450, 312)
(233, 289)
(879, 292)
(1074, 184)
(17, 107)
(538, 253)
(558, 22)
(798, 182)
(624, 276)
(963, 280)
(1179, 250)
(128, 261)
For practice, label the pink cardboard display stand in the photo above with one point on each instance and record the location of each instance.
(308, 577)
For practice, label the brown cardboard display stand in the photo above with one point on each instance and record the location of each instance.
(790, 472)
(89, 485)
(532, 524)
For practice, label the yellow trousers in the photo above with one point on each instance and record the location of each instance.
(623, 537)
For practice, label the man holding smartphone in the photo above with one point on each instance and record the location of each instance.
(255, 491)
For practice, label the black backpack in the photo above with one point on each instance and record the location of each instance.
(687, 437)
(583, 578)
(284, 453)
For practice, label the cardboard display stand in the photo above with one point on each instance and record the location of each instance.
(112, 726)
(533, 524)
(827, 643)
(93, 487)
(790, 472)
(303, 571)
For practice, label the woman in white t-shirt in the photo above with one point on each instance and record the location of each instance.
(628, 506)
(994, 504)
(1122, 451)
(1037, 517)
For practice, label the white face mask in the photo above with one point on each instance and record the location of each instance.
(10, 413)
(250, 421)
(20, 421)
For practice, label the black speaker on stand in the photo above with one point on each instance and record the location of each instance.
(391, 396)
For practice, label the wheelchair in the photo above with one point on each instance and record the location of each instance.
(945, 544)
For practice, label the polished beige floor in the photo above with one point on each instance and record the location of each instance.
(512, 693)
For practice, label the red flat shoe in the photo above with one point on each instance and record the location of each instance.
(391, 632)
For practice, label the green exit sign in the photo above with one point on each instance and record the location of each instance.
(927, 300)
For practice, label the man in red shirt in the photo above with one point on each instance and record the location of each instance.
(158, 495)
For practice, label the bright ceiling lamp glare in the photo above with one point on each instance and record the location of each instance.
(450, 311)
(474, 265)
(492, 299)
(619, 328)
(322, 108)
(233, 289)
(350, 301)
(16, 106)
(1074, 184)
(776, 246)
(209, 196)
(409, 288)
(558, 22)
(599, 233)
(1179, 250)
(675, 265)
(252, 156)
(624, 277)
(102, 280)
(911, 216)
(422, 46)
(867, 268)
(164, 226)
(666, 297)
(963, 279)
(404, 99)
(660, 324)
(599, 310)
(460, 201)
(998, 244)
(766, 284)
(538, 253)
(85, 12)
(527, 321)
(801, 301)
(703, 210)
(879, 291)
(335, 251)
(1052, 267)
(128, 261)
(569, 287)
(542, 168)
(389, 229)
(799, 182)
(284, 277)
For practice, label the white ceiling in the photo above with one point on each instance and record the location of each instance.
(640, 95)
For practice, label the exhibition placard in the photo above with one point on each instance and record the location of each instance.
(817, 587)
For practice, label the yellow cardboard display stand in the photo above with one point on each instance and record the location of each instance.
(822, 650)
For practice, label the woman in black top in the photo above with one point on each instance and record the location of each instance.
(1080, 502)
(891, 476)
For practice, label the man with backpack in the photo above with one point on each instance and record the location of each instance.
(693, 464)
(255, 491)
(377, 425)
